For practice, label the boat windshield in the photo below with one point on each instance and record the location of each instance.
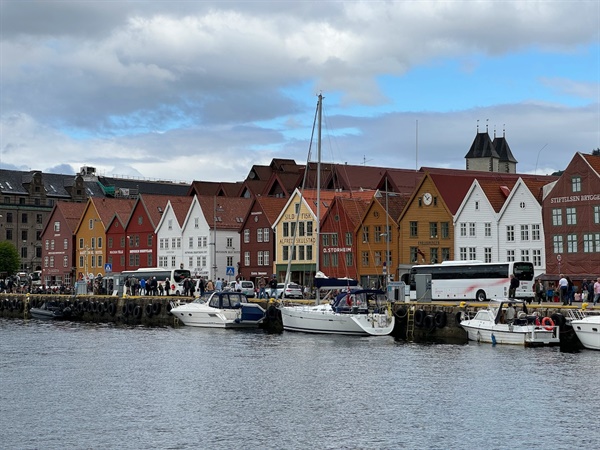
(482, 314)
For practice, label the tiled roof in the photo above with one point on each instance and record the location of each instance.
(230, 211)
(72, 213)
(395, 204)
(124, 186)
(108, 207)
(180, 207)
(155, 205)
(593, 161)
(271, 206)
(354, 208)
(495, 192)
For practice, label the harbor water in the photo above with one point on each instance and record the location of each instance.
(73, 385)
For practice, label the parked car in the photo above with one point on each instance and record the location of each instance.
(247, 288)
(292, 291)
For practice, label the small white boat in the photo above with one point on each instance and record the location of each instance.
(489, 326)
(359, 313)
(222, 310)
(587, 330)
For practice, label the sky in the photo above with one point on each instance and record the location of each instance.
(202, 90)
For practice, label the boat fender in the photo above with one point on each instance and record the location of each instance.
(20, 306)
(101, 308)
(137, 312)
(459, 317)
(440, 319)
(429, 322)
(112, 309)
(15, 304)
(272, 312)
(130, 307)
(548, 323)
(148, 309)
(124, 309)
(156, 308)
(558, 319)
(419, 317)
(400, 313)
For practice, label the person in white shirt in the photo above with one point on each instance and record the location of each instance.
(563, 285)
(597, 291)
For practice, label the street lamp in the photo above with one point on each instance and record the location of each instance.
(126, 250)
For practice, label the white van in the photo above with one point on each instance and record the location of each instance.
(247, 288)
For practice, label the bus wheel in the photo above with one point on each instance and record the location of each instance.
(480, 296)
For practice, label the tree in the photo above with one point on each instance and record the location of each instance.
(9, 258)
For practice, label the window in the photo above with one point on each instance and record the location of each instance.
(537, 258)
(325, 239)
(472, 229)
(65, 244)
(510, 233)
(463, 229)
(259, 235)
(462, 253)
(334, 259)
(365, 259)
(229, 242)
(191, 243)
(433, 230)
(309, 228)
(596, 214)
(365, 233)
(433, 255)
(170, 225)
(349, 259)
(246, 259)
(414, 254)
(81, 243)
(487, 229)
(487, 254)
(414, 230)
(476, 205)
(571, 214)
(325, 259)
(349, 239)
(510, 255)
(24, 217)
(557, 244)
(285, 253)
(56, 227)
(266, 234)
(576, 183)
(309, 253)
(334, 239)
(472, 253)
(524, 255)
(556, 217)
(535, 232)
(286, 229)
(571, 243)
(173, 261)
(266, 256)
(377, 258)
(377, 234)
(259, 258)
(301, 231)
(588, 243)
(301, 252)
(247, 236)
(524, 233)
(150, 239)
(445, 254)
(65, 261)
(445, 230)
(9, 234)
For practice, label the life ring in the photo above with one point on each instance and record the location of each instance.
(137, 312)
(419, 317)
(548, 323)
(156, 308)
(440, 319)
(148, 309)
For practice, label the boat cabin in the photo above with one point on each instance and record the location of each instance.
(227, 300)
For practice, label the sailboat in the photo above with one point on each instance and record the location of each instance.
(354, 311)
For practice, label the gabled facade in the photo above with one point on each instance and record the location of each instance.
(58, 244)
(90, 234)
(377, 239)
(520, 227)
(571, 216)
(257, 242)
(338, 243)
(169, 234)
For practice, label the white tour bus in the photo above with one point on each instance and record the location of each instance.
(176, 277)
(475, 280)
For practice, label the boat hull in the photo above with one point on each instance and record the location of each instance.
(194, 315)
(588, 331)
(511, 335)
(323, 320)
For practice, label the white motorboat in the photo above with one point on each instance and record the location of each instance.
(587, 330)
(489, 325)
(362, 312)
(222, 310)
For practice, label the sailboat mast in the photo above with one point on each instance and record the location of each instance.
(318, 227)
